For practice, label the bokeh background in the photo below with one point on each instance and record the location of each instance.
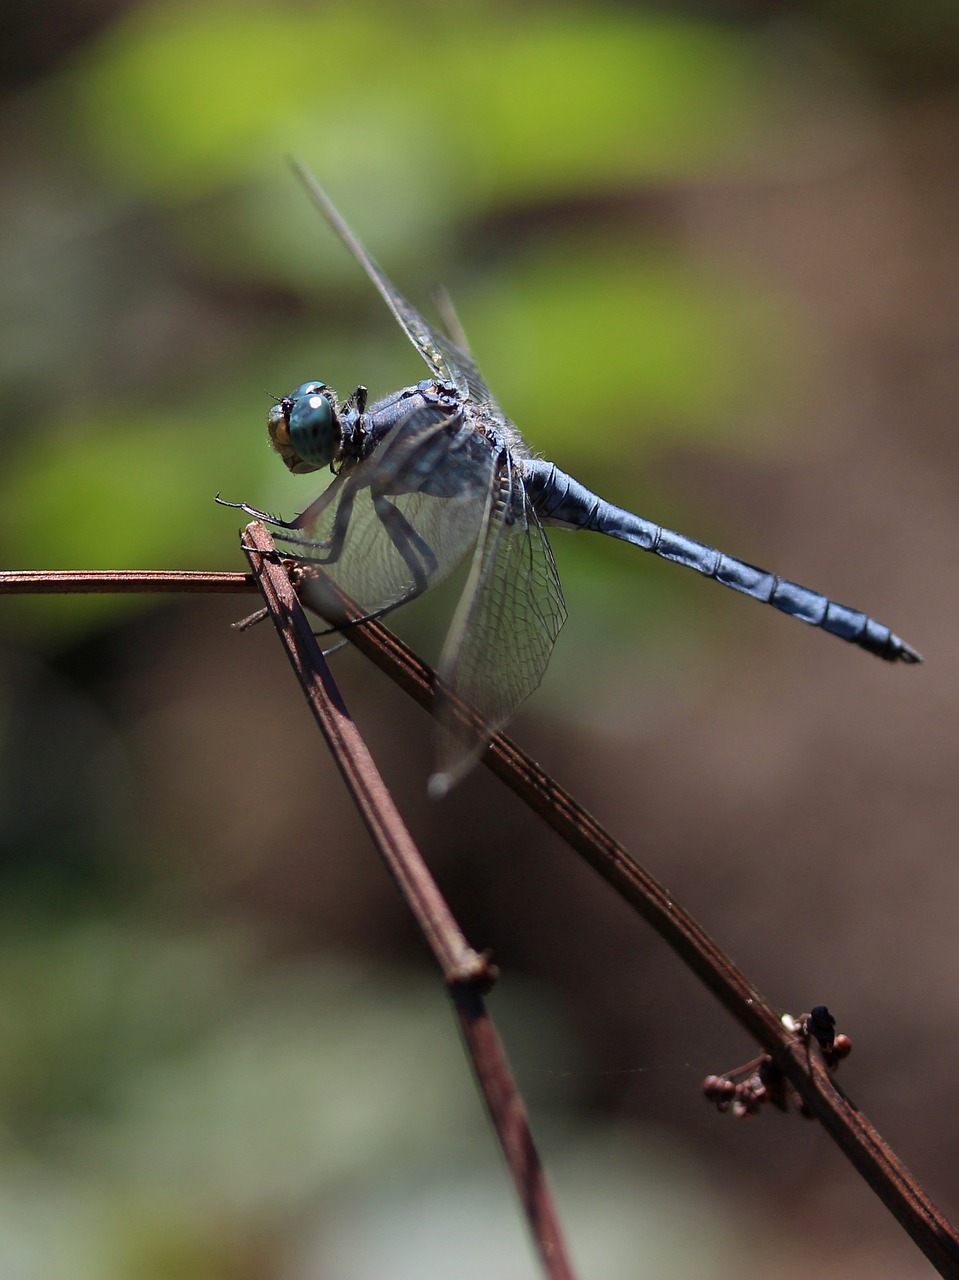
(708, 255)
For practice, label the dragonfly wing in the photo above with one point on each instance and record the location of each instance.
(399, 521)
(443, 357)
(505, 626)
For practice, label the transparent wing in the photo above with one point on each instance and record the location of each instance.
(443, 357)
(398, 522)
(451, 321)
(505, 626)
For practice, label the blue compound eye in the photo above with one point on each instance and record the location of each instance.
(304, 428)
(307, 389)
(314, 432)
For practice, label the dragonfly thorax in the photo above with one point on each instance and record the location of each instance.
(305, 428)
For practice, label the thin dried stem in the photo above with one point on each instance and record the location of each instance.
(508, 1113)
(39, 582)
(466, 972)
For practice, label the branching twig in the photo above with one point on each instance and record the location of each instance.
(792, 1054)
(849, 1128)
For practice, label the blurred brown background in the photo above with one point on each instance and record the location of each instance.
(708, 256)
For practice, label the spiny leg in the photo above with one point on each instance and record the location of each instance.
(331, 547)
(417, 555)
(309, 515)
(256, 514)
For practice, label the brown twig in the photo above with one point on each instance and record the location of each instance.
(852, 1132)
(466, 972)
(119, 581)
(878, 1165)
(370, 795)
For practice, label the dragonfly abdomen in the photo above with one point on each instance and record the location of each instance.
(559, 499)
(812, 607)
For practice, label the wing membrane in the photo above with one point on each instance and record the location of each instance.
(443, 357)
(506, 624)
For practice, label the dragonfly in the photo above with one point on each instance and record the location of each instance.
(436, 473)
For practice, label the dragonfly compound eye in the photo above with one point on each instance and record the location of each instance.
(314, 430)
(304, 428)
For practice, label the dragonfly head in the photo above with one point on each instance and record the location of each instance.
(305, 428)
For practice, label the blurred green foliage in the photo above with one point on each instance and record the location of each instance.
(473, 100)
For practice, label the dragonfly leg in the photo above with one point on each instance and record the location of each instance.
(331, 547)
(256, 514)
(416, 553)
(306, 517)
(312, 544)
(409, 594)
(309, 515)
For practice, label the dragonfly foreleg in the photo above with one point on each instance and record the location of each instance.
(307, 517)
(256, 514)
(331, 547)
